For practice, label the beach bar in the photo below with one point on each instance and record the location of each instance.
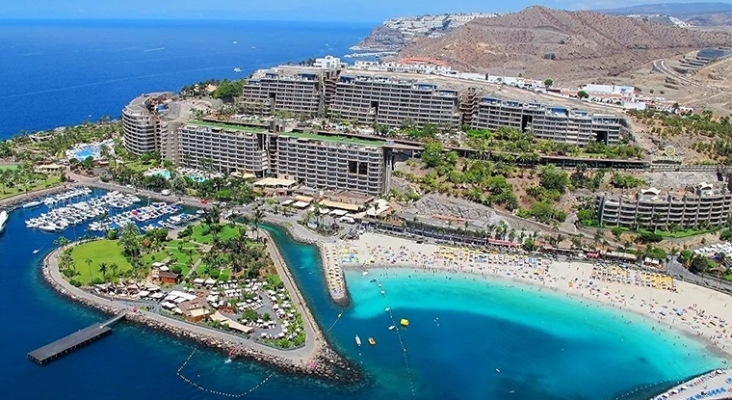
(69, 343)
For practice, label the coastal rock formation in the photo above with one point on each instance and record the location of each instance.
(540, 42)
(395, 33)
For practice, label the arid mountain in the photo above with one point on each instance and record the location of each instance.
(541, 42)
(698, 14)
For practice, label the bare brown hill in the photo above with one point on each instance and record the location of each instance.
(541, 42)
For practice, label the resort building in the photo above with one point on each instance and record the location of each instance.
(700, 206)
(296, 94)
(331, 162)
(558, 124)
(223, 147)
(319, 161)
(323, 90)
(142, 125)
(386, 101)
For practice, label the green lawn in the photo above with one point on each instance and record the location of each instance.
(226, 233)
(678, 234)
(50, 181)
(99, 251)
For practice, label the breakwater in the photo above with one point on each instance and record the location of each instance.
(323, 362)
(334, 277)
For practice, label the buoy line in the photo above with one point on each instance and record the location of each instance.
(404, 348)
(216, 392)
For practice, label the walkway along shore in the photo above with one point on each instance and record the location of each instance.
(315, 358)
(334, 278)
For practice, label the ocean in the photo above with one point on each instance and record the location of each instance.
(462, 330)
(61, 73)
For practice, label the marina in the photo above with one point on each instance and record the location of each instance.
(107, 211)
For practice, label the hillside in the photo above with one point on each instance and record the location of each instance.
(395, 32)
(697, 14)
(540, 42)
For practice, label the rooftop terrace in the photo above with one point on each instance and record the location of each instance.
(334, 139)
(232, 127)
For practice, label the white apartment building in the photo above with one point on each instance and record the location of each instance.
(142, 125)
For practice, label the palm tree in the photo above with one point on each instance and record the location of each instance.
(61, 241)
(257, 218)
(89, 262)
(103, 268)
(6, 176)
(130, 239)
(114, 267)
(318, 216)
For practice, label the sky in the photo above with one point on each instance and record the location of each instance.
(305, 10)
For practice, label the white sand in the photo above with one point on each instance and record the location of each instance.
(701, 311)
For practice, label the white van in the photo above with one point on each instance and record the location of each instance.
(165, 192)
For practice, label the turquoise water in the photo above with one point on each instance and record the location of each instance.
(166, 174)
(463, 328)
(546, 347)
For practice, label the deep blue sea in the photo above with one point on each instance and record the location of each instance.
(61, 73)
(461, 330)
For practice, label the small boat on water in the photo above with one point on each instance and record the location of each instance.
(3, 220)
(372, 341)
(498, 371)
(32, 204)
(387, 309)
(358, 341)
(391, 328)
(36, 251)
(364, 273)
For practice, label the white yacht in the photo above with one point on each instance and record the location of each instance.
(3, 220)
(358, 341)
(32, 204)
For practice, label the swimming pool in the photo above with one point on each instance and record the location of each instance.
(166, 174)
(93, 150)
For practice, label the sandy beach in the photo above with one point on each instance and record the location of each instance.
(692, 310)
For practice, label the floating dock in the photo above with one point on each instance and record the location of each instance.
(72, 342)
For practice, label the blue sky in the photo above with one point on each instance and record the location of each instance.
(309, 10)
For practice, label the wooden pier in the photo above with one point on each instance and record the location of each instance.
(73, 341)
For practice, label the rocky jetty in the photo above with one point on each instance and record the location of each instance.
(325, 364)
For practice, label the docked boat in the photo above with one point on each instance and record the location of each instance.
(32, 204)
(372, 341)
(358, 341)
(364, 273)
(50, 227)
(3, 220)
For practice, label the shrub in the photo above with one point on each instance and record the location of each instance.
(215, 274)
(176, 269)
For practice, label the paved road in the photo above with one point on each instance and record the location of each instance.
(675, 269)
(661, 67)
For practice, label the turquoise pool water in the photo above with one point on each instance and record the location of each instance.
(167, 175)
